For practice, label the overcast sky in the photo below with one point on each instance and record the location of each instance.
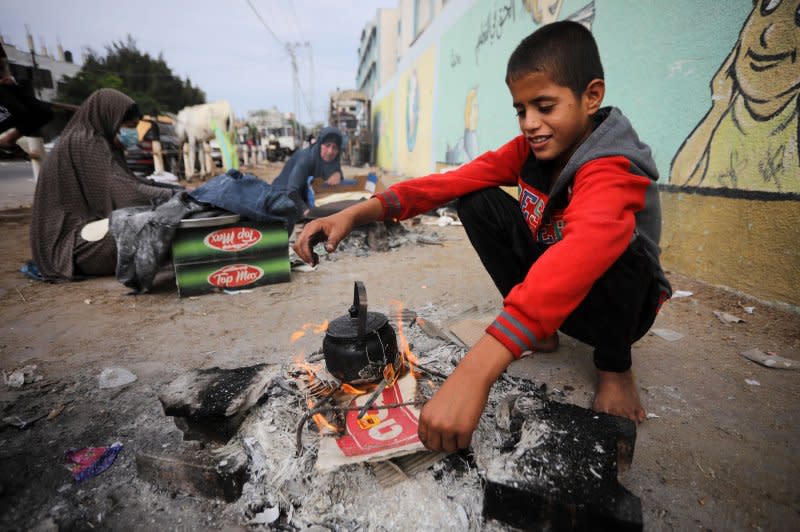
(220, 45)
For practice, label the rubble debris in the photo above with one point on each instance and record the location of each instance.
(748, 310)
(18, 422)
(114, 378)
(726, 318)
(194, 471)
(769, 360)
(21, 376)
(470, 330)
(432, 330)
(58, 409)
(395, 470)
(273, 480)
(211, 403)
(677, 294)
(667, 334)
(91, 461)
(558, 469)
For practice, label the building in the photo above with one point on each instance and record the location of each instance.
(44, 69)
(377, 51)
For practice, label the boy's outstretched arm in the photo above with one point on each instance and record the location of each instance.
(332, 229)
(448, 420)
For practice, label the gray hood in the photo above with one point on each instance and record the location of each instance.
(614, 136)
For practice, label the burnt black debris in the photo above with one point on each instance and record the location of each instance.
(210, 404)
(558, 468)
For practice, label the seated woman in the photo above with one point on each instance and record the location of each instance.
(320, 160)
(82, 180)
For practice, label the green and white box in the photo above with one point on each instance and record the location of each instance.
(213, 254)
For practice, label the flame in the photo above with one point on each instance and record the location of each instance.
(310, 377)
(316, 329)
(402, 342)
(351, 390)
(319, 419)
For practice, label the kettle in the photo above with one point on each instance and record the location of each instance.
(358, 346)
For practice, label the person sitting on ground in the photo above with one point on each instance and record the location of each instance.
(21, 114)
(83, 180)
(318, 161)
(577, 252)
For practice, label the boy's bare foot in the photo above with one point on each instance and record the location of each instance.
(617, 395)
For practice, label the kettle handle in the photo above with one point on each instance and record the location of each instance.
(359, 308)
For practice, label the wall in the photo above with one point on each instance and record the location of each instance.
(711, 86)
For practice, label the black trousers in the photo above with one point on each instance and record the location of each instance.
(618, 310)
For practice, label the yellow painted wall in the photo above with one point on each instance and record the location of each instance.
(414, 143)
(384, 110)
(750, 245)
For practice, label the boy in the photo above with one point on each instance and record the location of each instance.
(578, 251)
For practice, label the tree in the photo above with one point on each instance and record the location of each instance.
(149, 81)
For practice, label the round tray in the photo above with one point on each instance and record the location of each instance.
(210, 222)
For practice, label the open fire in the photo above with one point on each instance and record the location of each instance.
(324, 390)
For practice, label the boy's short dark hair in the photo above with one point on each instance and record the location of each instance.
(564, 50)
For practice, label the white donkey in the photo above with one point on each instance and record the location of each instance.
(194, 126)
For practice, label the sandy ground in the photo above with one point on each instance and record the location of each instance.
(721, 451)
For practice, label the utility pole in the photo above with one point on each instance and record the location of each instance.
(297, 89)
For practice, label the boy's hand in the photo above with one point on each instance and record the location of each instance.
(331, 230)
(448, 420)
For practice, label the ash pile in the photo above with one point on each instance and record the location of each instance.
(267, 438)
(382, 237)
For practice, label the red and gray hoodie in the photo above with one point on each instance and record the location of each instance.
(605, 197)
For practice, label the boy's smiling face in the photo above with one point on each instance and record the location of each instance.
(554, 121)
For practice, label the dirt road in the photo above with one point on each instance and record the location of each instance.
(720, 450)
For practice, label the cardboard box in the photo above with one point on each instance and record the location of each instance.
(212, 255)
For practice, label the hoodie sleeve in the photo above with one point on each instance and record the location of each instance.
(493, 168)
(598, 226)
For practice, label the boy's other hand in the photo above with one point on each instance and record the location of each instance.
(448, 420)
(331, 230)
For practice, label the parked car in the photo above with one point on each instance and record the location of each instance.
(216, 152)
(140, 157)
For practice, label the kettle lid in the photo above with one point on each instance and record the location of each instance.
(359, 322)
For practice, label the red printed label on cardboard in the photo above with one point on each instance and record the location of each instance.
(235, 275)
(393, 428)
(233, 238)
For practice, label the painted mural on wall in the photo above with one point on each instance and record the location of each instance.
(414, 110)
(383, 127)
(748, 139)
(547, 11)
(473, 55)
(466, 147)
(658, 59)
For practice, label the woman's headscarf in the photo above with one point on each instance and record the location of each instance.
(83, 179)
(325, 169)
